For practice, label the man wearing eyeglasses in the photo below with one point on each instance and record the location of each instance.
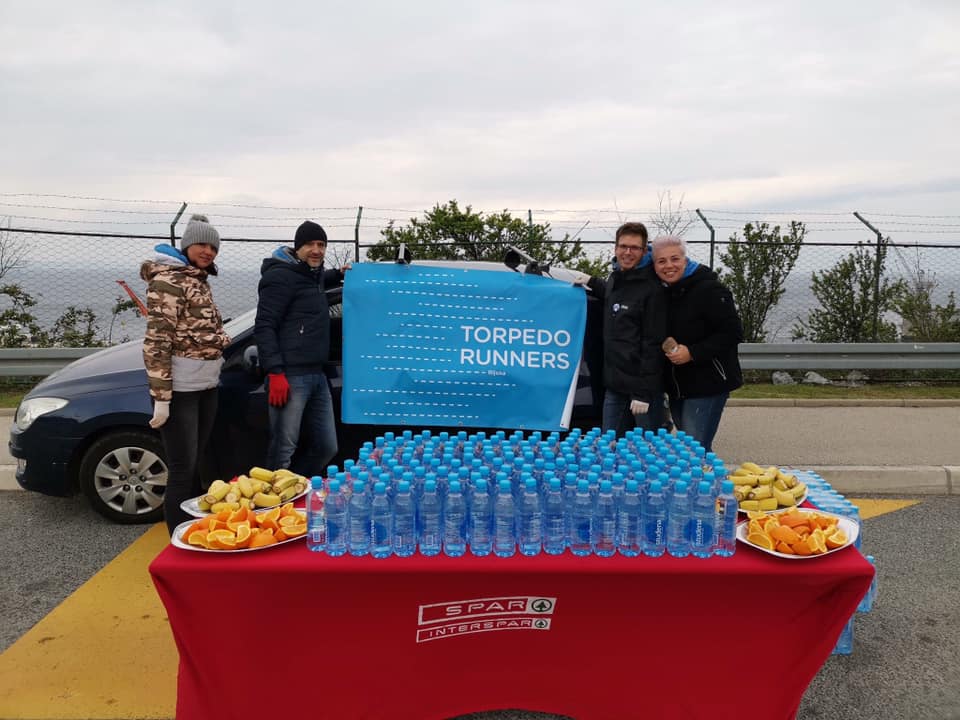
(634, 325)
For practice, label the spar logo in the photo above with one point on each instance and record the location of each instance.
(480, 615)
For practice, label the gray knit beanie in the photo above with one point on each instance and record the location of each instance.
(199, 230)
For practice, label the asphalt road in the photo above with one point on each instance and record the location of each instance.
(905, 650)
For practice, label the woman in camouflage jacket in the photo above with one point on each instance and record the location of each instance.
(183, 352)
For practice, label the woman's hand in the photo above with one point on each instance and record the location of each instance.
(680, 355)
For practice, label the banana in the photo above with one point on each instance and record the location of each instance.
(761, 492)
(768, 504)
(784, 498)
(284, 482)
(798, 490)
(288, 493)
(301, 486)
(217, 507)
(750, 505)
(246, 502)
(260, 473)
(282, 473)
(203, 505)
(233, 496)
(766, 479)
(779, 484)
(753, 468)
(744, 479)
(245, 486)
(264, 500)
(216, 492)
(789, 480)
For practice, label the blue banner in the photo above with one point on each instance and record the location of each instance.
(452, 347)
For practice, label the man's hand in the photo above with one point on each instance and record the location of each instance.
(580, 278)
(680, 355)
(279, 389)
(161, 413)
(639, 407)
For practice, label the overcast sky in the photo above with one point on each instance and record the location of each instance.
(578, 106)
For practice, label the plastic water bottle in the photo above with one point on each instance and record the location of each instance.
(481, 516)
(628, 521)
(358, 520)
(703, 516)
(866, 604)
(554, 519)
(335, 509)
(844, 644)
(726, 520)
(316, 516)
(654, 519)
(455, 521)
(530, 520)
(381, 523)
(604, 534)
(581, 520)
(430, 519)
(404, 540)
(504, 534)
(678, 521)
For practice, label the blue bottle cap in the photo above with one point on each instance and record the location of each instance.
(430, 486)
(403, 486)
(727, 487)
(359, 486)
(583, 486)
(316, 482)
(379, 488)
(481, 485)
(334, 486)
(606, 486)
(705, 487)
(505, 486)
(656, 486)
(332, 470)
(554, 483)
(680, 488)
(454, 486)
(632, 486)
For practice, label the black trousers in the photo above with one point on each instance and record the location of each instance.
(185, 437)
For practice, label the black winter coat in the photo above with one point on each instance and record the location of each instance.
(633, 329)
(292, 329)
(701, 315)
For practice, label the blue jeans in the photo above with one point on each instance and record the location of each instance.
(308, 413)
(699, 417)
(617, 415)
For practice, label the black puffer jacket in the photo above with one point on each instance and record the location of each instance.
(292, 330)
(701, 315)
(633, 329)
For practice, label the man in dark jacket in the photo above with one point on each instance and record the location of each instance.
(292, 333)
(633, 329)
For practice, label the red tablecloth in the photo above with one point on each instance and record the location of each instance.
(289, 633)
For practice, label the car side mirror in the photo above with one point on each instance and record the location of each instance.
(512, 259)
(251, 361)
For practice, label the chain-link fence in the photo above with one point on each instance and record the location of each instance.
(72, 277)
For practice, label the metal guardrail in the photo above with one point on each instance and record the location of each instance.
(850, 356)
(26, 362)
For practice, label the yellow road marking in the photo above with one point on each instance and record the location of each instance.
(870, 507)
(105, 652)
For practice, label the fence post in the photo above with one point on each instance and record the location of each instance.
(356, 235)
(712, 236)
(530, 225)
(173, 225)
(876, 277)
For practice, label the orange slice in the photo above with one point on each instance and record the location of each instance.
(836, 540)
(760, 540)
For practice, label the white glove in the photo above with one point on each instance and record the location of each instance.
(580, 278)
(161, 413)
(638, 407)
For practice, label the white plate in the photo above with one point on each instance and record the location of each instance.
(851, 528)
(177, 541)
(780, 509)
(192, 506)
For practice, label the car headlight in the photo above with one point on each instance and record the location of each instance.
(32, 408)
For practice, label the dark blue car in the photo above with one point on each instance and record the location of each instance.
(84, 428)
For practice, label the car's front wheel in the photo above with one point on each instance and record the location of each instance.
(124, 475)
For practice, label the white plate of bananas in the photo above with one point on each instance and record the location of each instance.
(766, 489)
(259, 490)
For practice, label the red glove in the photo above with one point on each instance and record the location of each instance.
(279, 389)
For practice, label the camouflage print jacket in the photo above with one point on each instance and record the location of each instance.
(184, 342)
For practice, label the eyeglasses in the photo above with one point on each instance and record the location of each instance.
(630, 248)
